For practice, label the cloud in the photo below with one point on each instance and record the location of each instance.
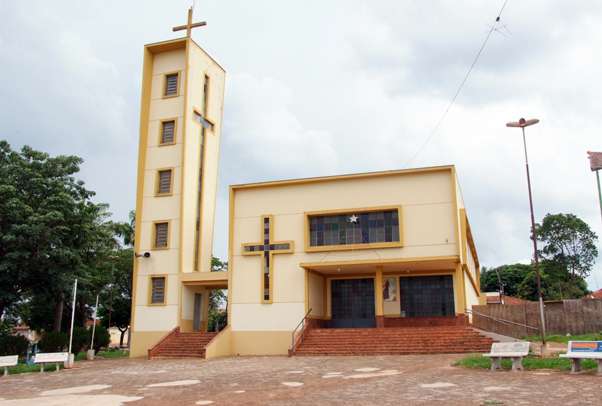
(264, 130)
(318, 88)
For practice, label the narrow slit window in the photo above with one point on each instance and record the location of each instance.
(164, 182)
(158, 290)
(171, 84)
(161, 235)
(168, 129)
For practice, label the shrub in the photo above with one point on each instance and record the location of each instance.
(102, 338)
(81, 340)
(13, 345)
(53, 341)
(217, 320)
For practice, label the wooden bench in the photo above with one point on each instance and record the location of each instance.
(46, 357)
(514, 350)
(8, 361)
(579, 350)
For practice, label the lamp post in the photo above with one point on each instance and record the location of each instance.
(595, 160)
(522, 123)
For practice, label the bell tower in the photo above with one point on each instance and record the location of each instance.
(180, 128)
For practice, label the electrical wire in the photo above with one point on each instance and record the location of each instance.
(462, 83)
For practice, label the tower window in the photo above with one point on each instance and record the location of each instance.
(161, 239)
(164, 181)
(168, 131)
(157, 294)
(171, 84)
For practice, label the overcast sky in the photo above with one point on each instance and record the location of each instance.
(329, 87)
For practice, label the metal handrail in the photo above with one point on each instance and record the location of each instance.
(301, 324)
(502, 320)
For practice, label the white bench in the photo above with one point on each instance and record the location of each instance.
(46, 357)
(514, 350)
(8, 361)
(579, 350)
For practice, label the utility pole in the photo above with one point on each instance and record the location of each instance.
(522, 123)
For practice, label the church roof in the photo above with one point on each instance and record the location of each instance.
(361, 175)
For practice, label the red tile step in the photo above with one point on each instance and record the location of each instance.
(393, 340)
(182, 345)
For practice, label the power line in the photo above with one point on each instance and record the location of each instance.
(462, 83)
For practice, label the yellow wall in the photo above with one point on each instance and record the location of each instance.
(200, 65)
(260, 342)
(316, 294)
(180, 207)
(221, 345)
(187, 306)
(142, 341)
(429, 218)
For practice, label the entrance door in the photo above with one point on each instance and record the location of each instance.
(196, 317)
(352, 303)
(427, 296)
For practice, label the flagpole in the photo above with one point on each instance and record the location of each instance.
(94, 324)
(71, 358)
(90, 353)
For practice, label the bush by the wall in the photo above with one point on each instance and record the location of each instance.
(53, 341)
(13, 345)
(102, 338)
(81, 340)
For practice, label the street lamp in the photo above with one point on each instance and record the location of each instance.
(595, 160)
(522, 123)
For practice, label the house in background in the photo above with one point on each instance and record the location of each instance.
(497, 298)
(594, 295)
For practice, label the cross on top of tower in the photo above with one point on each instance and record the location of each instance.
(189, 25)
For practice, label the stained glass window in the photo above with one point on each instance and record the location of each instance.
(266, 248)
(354, 228)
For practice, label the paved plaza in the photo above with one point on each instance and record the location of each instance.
(408, 380)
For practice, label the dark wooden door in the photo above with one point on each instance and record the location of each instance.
(196, 318)
(427, 296)
(352, 303)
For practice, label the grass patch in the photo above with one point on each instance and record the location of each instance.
(81, 356)
(561, 364)
(22, 368)
(565, 339)
(113, 353)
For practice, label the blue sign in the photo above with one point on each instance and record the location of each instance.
(586, 346)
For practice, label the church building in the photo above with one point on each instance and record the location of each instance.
(376, 252)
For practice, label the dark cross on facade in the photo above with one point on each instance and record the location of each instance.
(189, 25)
(267, 248)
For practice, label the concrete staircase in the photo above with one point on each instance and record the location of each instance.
(392, 341)
(181, 345)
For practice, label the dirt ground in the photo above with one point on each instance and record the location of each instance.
(407, 380)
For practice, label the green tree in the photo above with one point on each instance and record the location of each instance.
(217, 299)
(50, 233)
(556, 283)
(510, 275)
(569, 242)
(117, 297)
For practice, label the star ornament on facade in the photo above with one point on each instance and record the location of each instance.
(353, 218)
